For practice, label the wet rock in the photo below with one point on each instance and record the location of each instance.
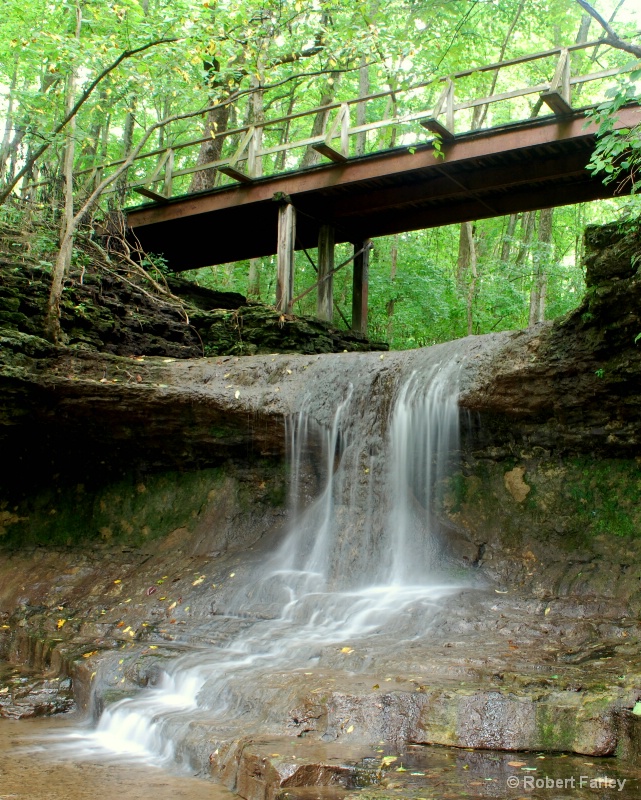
(24, 694)
(264, 770)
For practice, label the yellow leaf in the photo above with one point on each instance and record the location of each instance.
(389, 760)
(237, 394)
(350, 729)
(88, 655)
(60, 623)
(172, 606)
(347, 649)
(153, 647)
(231, 574)
(118, 580)
(198, 581)
(547, 611)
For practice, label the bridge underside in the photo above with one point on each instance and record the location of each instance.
(518, 167)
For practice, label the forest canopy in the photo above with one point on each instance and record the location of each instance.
(85, 84)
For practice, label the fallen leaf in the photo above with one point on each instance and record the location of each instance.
(151, 590)
(388, 760)
(347, 649)
(237, 394)
(60, 623)
(117, 580)
(172, 606)
(350, 729)
(4, 690)
(198, 581)
(376, 686)
(88, 655)
(231, 574)
(516, 763)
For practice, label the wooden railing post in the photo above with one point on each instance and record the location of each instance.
(558, 96)
(432, 123)
(325, 296)
(345, 130)
(285, 257)
(449, 107)
(169, 174)
(254, 159)
(360, 286)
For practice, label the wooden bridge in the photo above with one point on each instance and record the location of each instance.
(455, 173)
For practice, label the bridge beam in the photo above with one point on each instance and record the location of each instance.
(285, 257)
(360, 286)
(325, 296)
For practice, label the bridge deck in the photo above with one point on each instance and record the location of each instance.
(518, 167)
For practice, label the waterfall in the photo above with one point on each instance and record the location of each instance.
(360, 562)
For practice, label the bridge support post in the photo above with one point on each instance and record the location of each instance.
(325, 296)
(360, 286)
(285, 258)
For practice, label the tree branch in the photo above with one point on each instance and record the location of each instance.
(4, 193)
(612, 37)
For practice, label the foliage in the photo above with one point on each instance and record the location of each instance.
(294, 55)
(618, 151)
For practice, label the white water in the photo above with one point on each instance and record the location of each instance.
(360, 562)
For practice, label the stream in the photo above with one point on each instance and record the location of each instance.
(361, 568)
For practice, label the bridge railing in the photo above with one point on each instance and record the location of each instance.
(440, 109)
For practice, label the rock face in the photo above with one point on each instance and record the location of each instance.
(100, 314)
(143, 489)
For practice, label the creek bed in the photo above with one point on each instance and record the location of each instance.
(28, 772)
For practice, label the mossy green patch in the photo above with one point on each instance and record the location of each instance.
(129, 511)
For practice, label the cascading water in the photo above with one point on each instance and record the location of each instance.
(359, 562)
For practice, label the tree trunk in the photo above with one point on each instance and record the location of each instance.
(279, 164)
(392, 301)
(5, 147)
(361, 108)
(527, 230)
(63, 259)
(211, 150)
(127, 142)
(464, 253)
(538, 292)
(311, 157)
(471, 291)
(506, 246)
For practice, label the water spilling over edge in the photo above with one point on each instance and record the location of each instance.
(361, 560)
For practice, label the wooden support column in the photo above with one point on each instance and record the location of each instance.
(286, 240)
(360, 287)
(325, 296)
